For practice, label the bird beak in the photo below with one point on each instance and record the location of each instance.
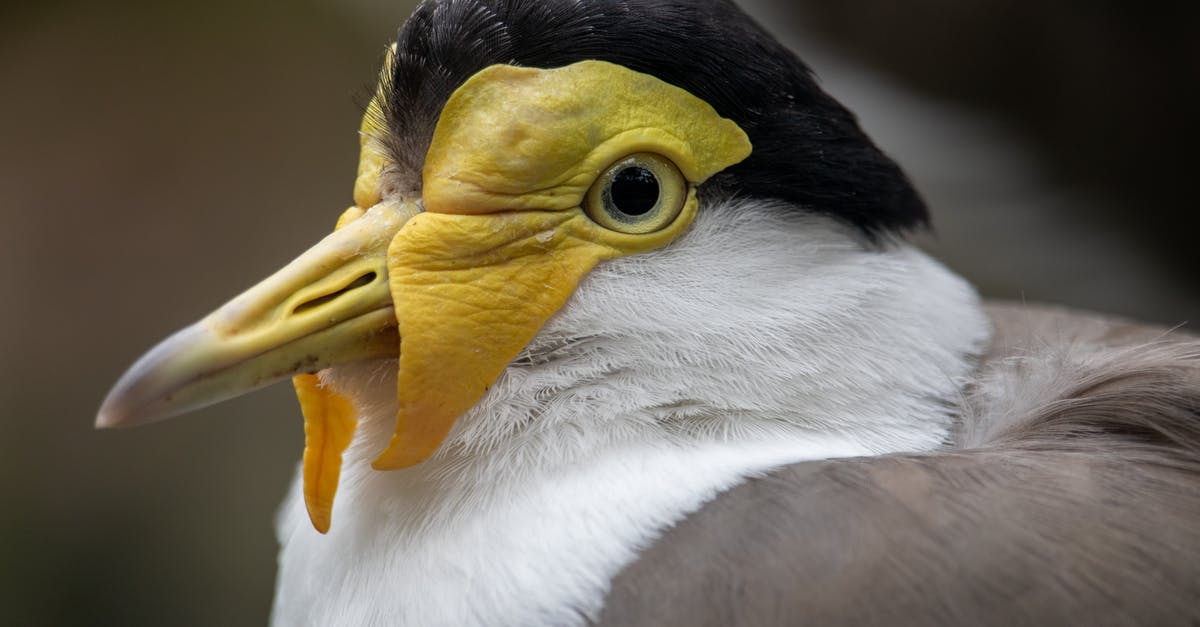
(331, 305)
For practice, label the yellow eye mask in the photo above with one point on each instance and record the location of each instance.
(504, 241)
(532, 178)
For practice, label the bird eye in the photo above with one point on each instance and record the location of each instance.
(639, 194)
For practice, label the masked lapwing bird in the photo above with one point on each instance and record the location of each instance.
(624, 328)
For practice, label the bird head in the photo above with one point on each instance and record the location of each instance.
(509, 151)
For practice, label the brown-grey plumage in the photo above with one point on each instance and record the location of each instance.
(1071, 496)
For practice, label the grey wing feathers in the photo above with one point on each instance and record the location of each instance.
(1072, 497)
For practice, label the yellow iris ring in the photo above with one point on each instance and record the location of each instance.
(672, 192)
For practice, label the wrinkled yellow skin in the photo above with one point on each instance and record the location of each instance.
(476, 289)
(329, 422)
(524, 139)
(503, 241)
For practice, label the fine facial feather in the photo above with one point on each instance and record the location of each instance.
(631, 409)
(1072, 496)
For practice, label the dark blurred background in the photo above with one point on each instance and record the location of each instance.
(157, 158)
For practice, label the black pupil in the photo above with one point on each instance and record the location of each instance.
(634, 191)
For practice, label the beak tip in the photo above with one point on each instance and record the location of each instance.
(114, 413)
(105, 420)
(144, 393)
(109, 416)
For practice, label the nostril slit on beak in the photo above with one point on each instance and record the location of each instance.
(361, 281)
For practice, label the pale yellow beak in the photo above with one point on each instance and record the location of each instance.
(331, 305)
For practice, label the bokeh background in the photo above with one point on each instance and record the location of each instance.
(156, 158)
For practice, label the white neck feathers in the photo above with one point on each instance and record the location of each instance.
(765, 336)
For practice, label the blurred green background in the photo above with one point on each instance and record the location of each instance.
(156, 158)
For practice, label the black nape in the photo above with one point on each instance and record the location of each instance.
(808, 149)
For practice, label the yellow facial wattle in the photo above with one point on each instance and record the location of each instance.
(504, 241)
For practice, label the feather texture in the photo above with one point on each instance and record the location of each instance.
(1072, 496)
